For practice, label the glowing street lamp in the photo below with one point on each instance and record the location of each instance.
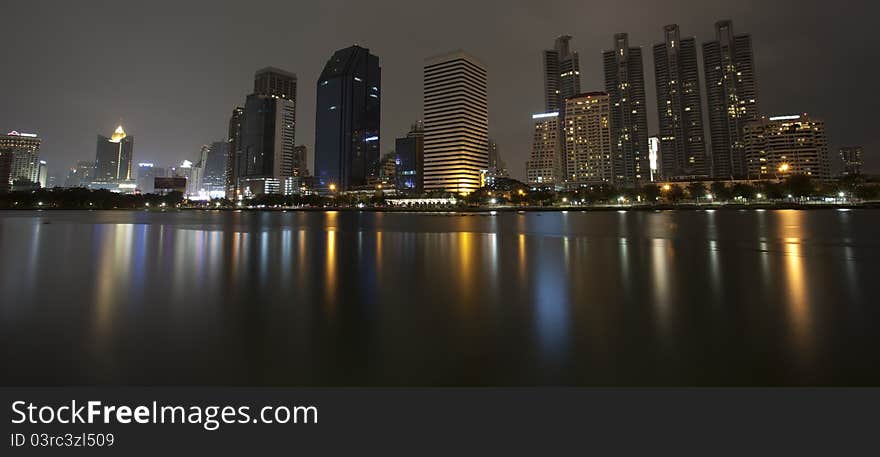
(667, 188)
(784, 168)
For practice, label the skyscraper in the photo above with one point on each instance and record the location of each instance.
(233, 157)
(587, 140)
(214, 167)
(146, 177)
(5, 171)
(562, 74)
(456, 123)
(113, 157)
(781, 146)
(851, 160)
(732, 98)
(625, 84)
(23, 153)
(347, 120)
(262, 135)
(497, 165)
(544, 168)
(300, 161)
(679, 108)
(411, 160)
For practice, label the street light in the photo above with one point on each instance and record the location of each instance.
(784, 168)
(667, 188)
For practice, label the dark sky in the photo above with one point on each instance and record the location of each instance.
(173, 70)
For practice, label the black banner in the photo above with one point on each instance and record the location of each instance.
(547, 421)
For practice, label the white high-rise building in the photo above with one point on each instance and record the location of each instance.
(544, 168)
(456, 123)
(588, 152)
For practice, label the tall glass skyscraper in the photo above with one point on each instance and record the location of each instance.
(113, 157)
(347, 120)
(732, 96)
(410, 160)
(262, 135)
(682, 154)
(562, 75)
(625, 84)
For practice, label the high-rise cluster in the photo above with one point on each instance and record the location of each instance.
(581, 156)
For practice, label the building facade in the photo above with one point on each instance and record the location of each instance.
(411, 160)
(625, 84)
(262, 136)
(731, 96)
(22, 151)
(347, 120)
(562, 74)
(587, 140)
(682, 154)
(113, 157)
(214, 173)
(851, 160)
(233, 139)
(781, 146)
(544, 168)
(456, 123)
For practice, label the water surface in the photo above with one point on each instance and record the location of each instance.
(362, 298)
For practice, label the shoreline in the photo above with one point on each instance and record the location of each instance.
(506, 209)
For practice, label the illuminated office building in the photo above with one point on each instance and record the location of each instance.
(456, 123)
(851, 160)
(781, 146)
(113, 157)
(22, 151)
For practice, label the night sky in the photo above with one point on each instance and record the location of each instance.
(171, 71)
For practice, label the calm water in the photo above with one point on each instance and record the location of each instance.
(602, 298)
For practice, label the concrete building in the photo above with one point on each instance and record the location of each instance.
(113, 158)
(562, 74)
(23, 153)
(544, 167)
(731, 96)
(456, 123)
(851, 160)
(682, 153)
(781, 146)
(625, 84)
(588, 141)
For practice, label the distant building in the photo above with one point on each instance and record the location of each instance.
(347, 120)
(679, 108)
(233, 158)
(23, 150)
(411, 160)
(782, 146)
(625, 84)
(301, 161)
(732, 98)
(388, 169)
(562, 75)
(214, 167)
(43, 175)
(147, 173)
(851, 160)
(456, 123)
(497, 165)
(113, 157)
(587, 140)
(80, 175)
(165, 185)
(5, 171)
(654, 157)
(544, 168)
(262, 135)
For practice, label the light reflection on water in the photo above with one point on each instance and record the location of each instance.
(347, 298)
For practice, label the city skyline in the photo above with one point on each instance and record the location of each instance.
(142, 102)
